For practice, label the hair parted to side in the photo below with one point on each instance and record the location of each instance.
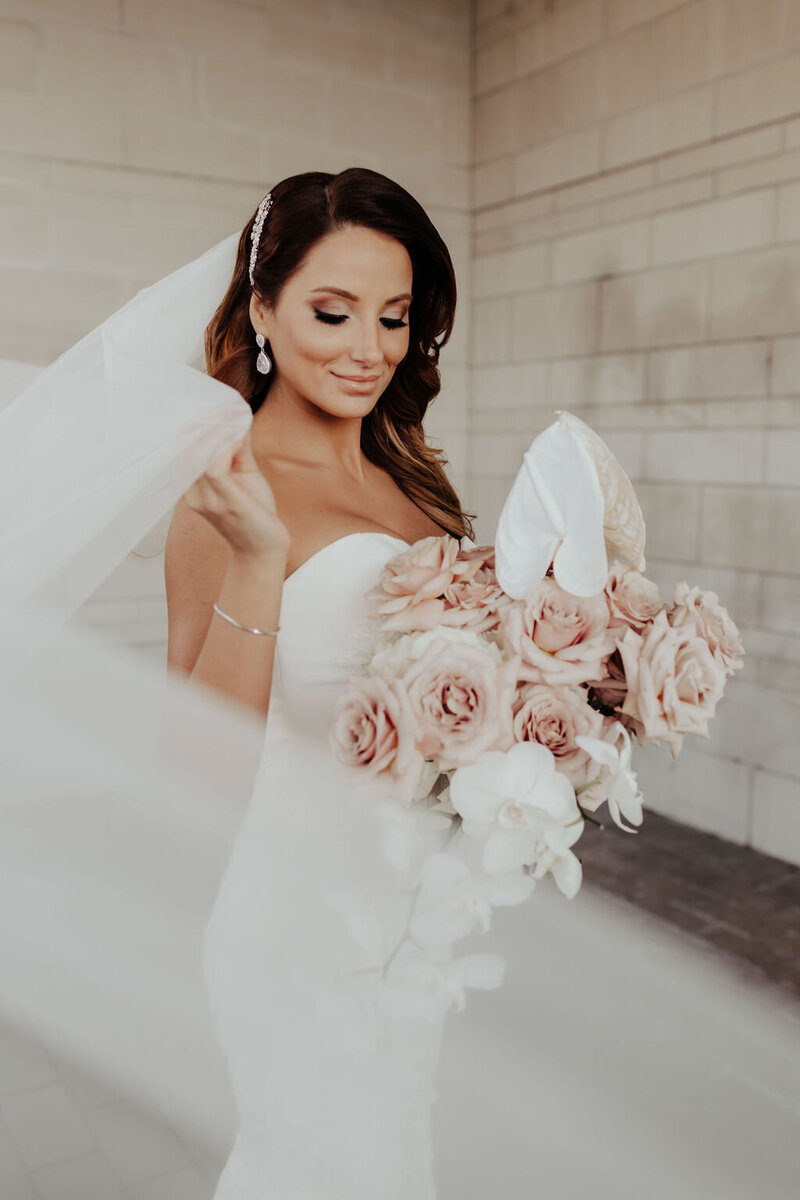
(305, 208)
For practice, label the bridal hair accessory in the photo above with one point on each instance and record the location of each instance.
(247, 628)
(263, 362)
(255, 233)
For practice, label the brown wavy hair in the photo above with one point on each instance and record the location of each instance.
(305, 208)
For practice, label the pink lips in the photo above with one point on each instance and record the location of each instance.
(357, 378)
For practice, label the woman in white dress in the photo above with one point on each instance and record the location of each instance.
(351, 293)
(613, 1062)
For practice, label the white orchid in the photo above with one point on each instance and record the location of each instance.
(453, 902)
(419, 985)
(362, 921)
(525, 809)
(406, 833)
(616, 779)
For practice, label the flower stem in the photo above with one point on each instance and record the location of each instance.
(587, 816)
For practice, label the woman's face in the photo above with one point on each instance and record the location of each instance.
(340, 326)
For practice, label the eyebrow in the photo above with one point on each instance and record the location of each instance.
(349, 295)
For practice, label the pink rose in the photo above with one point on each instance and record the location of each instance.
(711, 621)
(412, 584)
(674, 681)
(632, 600)
(460, 694)
(560, 638)
(474, 598)
(373, 727)
(554, 716)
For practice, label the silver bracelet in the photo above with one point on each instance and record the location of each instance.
(268, 632)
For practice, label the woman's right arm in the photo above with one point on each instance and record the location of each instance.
(199, 569)
(227, 544)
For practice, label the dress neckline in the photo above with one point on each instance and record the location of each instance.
(345, 536)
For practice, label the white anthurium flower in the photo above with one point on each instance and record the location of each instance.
(616, 777)
(525, 809)
(417, 985)
(452, 902)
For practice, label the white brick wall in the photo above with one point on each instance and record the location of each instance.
(643, 157)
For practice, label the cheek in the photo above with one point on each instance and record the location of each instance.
(395, 348)
(312, 348)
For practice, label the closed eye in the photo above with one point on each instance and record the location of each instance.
(338, 318)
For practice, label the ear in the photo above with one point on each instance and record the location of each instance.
(259, 314)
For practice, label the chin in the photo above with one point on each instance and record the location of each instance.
(342, 405)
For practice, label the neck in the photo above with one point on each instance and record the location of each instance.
(291, 427)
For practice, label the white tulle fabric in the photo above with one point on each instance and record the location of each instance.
(171, 879)
(120, 790)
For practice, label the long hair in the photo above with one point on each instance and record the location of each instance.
(305, 208)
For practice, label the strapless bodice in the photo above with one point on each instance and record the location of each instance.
(326, 632)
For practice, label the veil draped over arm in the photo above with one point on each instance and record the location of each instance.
(120, 789)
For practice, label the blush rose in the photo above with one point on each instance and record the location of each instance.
(554, 717)
(674, 681)
(474, 598)
(712, 621)
(460, 693)
(409, 594)
(373, 727)
(560, 639)
(632, 600)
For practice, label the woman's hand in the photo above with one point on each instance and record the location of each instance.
(235, 497)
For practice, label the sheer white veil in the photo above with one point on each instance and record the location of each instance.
(121, 788)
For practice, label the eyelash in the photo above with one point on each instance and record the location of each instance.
(337, 318)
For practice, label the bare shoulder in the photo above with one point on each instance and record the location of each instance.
(196, 558)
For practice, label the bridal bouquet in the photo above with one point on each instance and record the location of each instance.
(512, 717)
(518, 715)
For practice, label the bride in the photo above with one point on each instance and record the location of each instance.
(339, 391)
(191, 887)
(342, 294)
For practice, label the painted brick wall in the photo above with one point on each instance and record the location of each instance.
(637, 261)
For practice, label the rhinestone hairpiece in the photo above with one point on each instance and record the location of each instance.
(255, 233)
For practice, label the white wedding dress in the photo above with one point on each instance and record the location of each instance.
(331, 1106)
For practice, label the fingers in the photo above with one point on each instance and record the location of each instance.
(219, 490)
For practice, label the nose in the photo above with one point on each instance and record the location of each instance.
(366, 348)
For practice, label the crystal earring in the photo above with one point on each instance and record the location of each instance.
(263, 362)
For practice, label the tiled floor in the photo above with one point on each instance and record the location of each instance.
(745, 903)
(62, 1138)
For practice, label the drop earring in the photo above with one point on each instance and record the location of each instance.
(263, 362)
